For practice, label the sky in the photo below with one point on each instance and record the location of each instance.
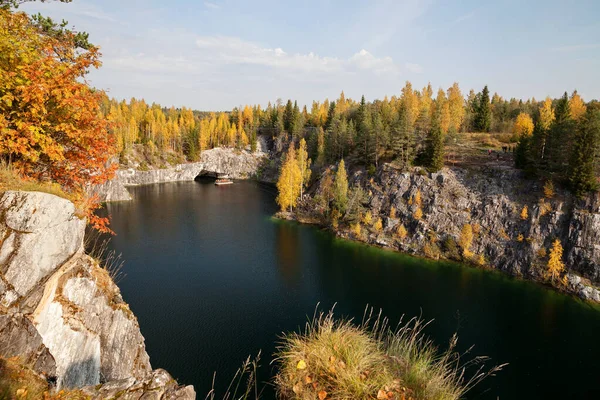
(219, 54)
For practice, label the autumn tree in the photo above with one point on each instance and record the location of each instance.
(410, 102)
(537, 146)
(50, 124)
(288, 184)
(49, 117)
(378, 225)
(547, 116)
(576, 106)
(367, 218)
(525, 213)
(441, 111)
(549, 189)
(456, 108)
(466, 239)
(303, 166)
(523, 125)
(555, 264)
(401, 232)
(417, 202)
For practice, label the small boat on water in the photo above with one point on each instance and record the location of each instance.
(223, 181)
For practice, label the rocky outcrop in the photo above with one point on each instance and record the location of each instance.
(491, 201)
(60, 312)
(19, 338)
(158, 385)
(236, 164)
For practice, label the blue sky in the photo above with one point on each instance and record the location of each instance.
(214, 55)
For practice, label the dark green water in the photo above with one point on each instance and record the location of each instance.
(213, 279)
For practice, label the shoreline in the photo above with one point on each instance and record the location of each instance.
(348, 237)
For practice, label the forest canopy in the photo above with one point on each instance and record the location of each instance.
(413, 128)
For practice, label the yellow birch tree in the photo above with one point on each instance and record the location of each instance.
(288, 184)
(555, 265)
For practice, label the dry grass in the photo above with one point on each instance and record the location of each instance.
(243, 386)
(10, 179)
(96, 246)
(471, 149)
(21, 383)
(340, 360)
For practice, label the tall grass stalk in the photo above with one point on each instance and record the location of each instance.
(243, 385)
(96, 245)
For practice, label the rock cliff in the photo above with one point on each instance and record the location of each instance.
(236, 164)
(491, 201)
(60, 312)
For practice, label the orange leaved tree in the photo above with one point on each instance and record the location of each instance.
(50, 125)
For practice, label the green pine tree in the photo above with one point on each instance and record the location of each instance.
(340, 188)
(330, 115)
(403, 139)
(483, 117)
(560, 138)
(585, 158)
(435, 147)
(364, 133)
(288, 117)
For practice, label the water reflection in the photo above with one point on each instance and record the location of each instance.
(212, 279)
(288, 253)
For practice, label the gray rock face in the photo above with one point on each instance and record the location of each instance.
(60, 312)
(236, 164)
(87, 327)
(39, 233)
(159, 385)
(18, 337)
(491, 201)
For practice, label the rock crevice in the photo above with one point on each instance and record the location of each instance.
(60, 312)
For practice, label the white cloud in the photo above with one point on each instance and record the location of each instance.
(234, 50)
(210, 5)
(367, 61)
(151, 63)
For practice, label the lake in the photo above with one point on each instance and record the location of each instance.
(212, 279)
